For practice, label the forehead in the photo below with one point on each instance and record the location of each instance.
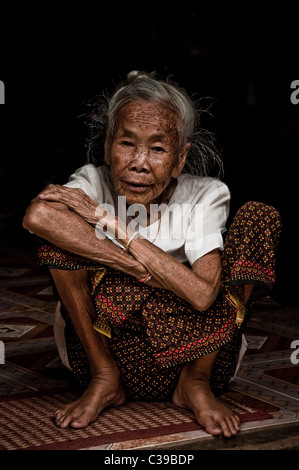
(148, 115)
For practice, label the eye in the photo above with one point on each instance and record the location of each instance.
(127, 143)
(158, 149)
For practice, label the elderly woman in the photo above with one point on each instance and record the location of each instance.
(154, 303)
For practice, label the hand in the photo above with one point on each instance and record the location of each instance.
(75, 199)
(79, 202)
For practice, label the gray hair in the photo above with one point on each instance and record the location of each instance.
(203, 154)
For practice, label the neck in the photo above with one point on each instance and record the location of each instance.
(167, 193)
(163, 198)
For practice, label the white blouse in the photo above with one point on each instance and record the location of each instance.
(191, 224)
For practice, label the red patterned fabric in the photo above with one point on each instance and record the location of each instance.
(153, 332)
(176, 330)
(251, 245)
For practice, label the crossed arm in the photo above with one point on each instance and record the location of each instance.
(67, 217)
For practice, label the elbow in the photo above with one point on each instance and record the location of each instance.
(202, 306)
(206, 301)
(34, 219)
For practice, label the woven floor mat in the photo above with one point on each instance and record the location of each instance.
(26, 422)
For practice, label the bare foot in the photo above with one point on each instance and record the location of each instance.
(103, 391)
(193, 392)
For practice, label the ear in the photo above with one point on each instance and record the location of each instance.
(177, 170)
(107, 146)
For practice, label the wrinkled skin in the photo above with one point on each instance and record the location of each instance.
(145, 157)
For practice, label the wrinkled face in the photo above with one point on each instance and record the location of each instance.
(145, 152)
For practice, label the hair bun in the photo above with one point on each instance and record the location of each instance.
(139, 75)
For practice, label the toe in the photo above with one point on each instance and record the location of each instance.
(80, 422)
(58, 417)
(211, 426)
(234, 424)
(63, 421)
(230, 426)
(83, 417)
(63, 417)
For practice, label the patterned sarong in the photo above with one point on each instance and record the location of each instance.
(153, 333)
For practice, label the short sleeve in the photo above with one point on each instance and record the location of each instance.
(87, 178)
(207, 221)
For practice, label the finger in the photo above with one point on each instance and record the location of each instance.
(52, 188)
(49, 190)
(44, 191)
(58, 193)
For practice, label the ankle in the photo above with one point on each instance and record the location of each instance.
(196, 370)
(109, 369)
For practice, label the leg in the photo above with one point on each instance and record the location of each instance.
(193, 392)
(248, 260)
(105, 388)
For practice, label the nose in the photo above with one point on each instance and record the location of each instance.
(139, 162)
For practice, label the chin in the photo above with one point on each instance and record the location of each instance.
(136, 200)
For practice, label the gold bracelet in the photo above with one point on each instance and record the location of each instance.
(126, 248)
(147, 278)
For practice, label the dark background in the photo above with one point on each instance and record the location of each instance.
(244, 55)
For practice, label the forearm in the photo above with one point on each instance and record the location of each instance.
(70, 232)
(172, 275)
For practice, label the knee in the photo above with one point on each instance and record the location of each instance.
(261, 211)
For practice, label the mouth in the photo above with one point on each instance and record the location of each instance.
(137, 186)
